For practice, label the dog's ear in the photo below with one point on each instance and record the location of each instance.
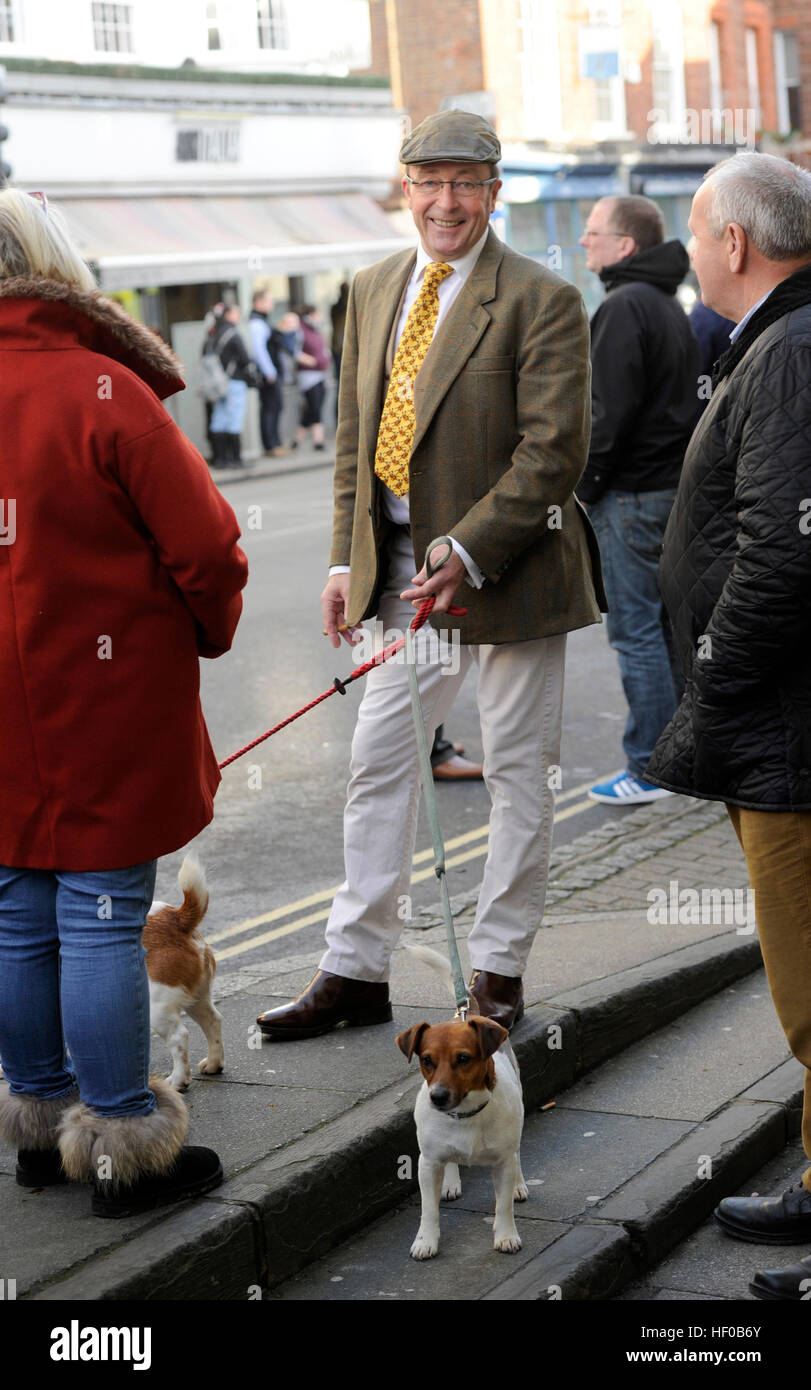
(491, 1034)
(409, 1041)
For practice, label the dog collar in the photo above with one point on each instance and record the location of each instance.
(466, 1114)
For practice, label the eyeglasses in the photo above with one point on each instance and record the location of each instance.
(587, 235)
(41, 199)
(463, 188)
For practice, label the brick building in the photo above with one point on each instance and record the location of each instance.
(606, 97)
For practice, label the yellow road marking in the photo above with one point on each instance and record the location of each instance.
(300, 922)
(327, 894)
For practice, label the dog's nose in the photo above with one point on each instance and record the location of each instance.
(440, 1097)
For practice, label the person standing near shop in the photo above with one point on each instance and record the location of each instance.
(313, 365)
(265, 355)
(228, 414)
(644, 370)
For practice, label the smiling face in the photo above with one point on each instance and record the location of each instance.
(449, 226)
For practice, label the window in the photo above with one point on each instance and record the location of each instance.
(600, 42)
(271, 23)
(752, 77)
(787, 73)
(112, 28)
(9, 22)
(214, 38)
(716, 88)
(668, 68)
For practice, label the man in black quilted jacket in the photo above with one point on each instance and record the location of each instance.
(736, 579)
(644, 382)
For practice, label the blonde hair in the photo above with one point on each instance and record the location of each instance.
(36, 244)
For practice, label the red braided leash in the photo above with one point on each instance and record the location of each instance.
(339, 686)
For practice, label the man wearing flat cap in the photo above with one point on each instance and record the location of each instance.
(463, 411)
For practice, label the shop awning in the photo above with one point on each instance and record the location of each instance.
(145, 242)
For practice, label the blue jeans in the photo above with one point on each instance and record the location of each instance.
(630, 528)
(228, 415)
(73, 976)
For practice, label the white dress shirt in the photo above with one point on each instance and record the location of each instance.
(394, 507)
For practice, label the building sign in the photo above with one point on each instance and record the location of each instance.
(213, 144)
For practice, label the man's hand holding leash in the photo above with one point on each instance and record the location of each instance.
(440, 576)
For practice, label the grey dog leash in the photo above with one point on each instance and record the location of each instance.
(424, 759)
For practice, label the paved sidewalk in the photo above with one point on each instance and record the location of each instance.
(313, 1134)
(304, 459)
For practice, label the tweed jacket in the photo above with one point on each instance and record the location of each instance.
(502, 407)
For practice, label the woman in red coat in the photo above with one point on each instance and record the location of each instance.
(119, 568)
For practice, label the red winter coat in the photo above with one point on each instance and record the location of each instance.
(119, 568)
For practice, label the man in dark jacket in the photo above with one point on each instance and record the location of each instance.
(644, 363)
(736, 578)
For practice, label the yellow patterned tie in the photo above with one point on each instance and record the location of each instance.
(397, 423)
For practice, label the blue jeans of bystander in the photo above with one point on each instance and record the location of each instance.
(630, 528)
(73, 976)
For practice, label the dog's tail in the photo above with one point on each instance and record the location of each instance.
(437, 963)
(192, 880)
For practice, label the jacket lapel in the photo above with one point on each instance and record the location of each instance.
(457, 337)
(382, 305)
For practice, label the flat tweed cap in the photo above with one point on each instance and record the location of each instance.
(452, 135)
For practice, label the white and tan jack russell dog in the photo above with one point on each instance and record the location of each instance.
(469, 1110)
(181, 969)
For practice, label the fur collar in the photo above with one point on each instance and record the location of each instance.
(127, 341)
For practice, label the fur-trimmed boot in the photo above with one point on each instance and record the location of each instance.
(137, 1162)
(32, 1126)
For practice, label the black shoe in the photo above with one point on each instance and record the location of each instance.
(195, 1171)
(782, 1220)
(39, 1168)
(791, 1285)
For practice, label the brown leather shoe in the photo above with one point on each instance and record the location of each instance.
(458, 769)
(328, 1001)
(500, 997)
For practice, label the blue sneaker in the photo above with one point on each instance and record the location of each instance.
(626, 790)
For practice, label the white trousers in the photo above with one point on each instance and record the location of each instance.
(520, 697)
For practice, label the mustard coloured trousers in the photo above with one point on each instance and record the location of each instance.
(777, 845)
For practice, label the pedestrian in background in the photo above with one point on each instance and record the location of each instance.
(736, 577)
(228, 414)
(265, 345)
(123, 569)
(644, 364)
(313, 364)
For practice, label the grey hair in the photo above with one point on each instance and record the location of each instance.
(767, 196)
(34, 244)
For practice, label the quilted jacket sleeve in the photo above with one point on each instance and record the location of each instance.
(763, 614)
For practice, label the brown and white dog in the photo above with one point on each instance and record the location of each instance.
(469, 1110)
(181, 969)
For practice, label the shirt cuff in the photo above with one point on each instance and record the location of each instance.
(338, 569)
(474, 575)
